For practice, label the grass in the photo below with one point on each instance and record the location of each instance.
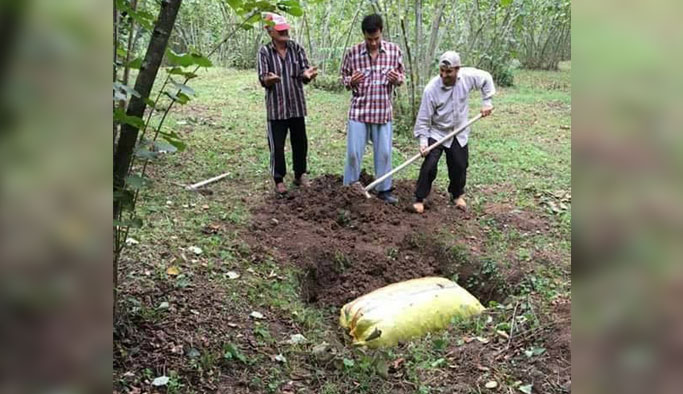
(521, 152)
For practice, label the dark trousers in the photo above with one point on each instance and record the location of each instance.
(277, 134)
(457, 161)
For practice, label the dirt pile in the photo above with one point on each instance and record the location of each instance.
(349, 245)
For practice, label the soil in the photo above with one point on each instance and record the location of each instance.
(346, 245)
(349, 245)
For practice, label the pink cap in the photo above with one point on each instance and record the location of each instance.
(279, 21)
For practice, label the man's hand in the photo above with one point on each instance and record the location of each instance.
(423, 150)
(271, 79)
(486, 111)
(311, 73)
(393, 77)
(356, 78)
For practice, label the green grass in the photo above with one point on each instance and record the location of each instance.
(522, 150)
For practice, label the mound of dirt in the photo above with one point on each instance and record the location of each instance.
(349, 245)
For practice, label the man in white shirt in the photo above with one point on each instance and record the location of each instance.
(444, 108)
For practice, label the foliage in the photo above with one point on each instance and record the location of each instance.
(181, 67)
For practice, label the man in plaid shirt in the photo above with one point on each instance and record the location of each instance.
(370, 70)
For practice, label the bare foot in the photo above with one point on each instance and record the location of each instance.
(460, 203)
(302, 181)
(280, 188)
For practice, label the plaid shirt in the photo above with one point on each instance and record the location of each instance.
(371, 98)
(285, 99)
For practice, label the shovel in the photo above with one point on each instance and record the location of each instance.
(366, 189)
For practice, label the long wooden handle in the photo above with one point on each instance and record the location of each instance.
(417, 156)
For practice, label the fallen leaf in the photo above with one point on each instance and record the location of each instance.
(482, 368)
(173, 270)
(397, 363)
(491, 385)
(483, 340)
(160, 381)
(232, 275)
(196, 250)
(296, 339)
(163, 305)
(280, 358)
(132, 241)
(526, 389)
(205, 207)
(503, 334)
(256, 315)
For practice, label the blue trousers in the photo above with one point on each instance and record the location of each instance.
(357, 137)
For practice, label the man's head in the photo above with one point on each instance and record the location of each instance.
(449, 65)
(277, 28)
(372, 27)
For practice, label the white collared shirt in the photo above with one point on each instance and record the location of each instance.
(445, 108)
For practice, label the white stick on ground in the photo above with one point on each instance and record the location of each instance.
(206, 182)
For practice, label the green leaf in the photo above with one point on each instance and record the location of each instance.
(200, 60)
(123, 5)
(133, 223)
(135, 182)
(187, 59)
(180, 71)
(230, 352)
(125, 197)
(505, 3)
(178, 59)
(438, 362)
(145, 154)
(125, 88)
(183, 88)
(161, 146)
(348, 363)
(295, 11)
(526, 389)
(135, 63)
(134, 121)
(121, 52)
(180, 98)
(174, 140)
(235, 4)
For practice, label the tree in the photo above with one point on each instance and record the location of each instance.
(125, 147)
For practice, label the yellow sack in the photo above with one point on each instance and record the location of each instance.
(405, 310)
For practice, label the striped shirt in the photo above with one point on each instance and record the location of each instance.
(371, 98)
(285, 99)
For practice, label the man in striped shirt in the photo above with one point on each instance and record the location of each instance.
(282, 70)
(370, 70)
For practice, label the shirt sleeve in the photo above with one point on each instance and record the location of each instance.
(484, 82)
(346, 70)
(423, 120)
(303, 61)
(262, 63)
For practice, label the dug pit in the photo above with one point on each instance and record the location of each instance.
(348, 245)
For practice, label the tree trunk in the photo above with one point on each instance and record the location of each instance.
(412, 70)
(143, 85)
(433, 40)
(126, 69)
(418, 41)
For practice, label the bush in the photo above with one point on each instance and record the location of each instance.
(330, 83)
